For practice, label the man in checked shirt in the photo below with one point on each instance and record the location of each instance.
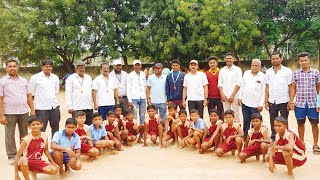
(306, 85)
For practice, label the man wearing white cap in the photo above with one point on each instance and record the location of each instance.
(121, 79)
(79, 92)
(156, 91)
(136, 91)
(195, 88)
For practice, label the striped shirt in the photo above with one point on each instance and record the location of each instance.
(306, 87)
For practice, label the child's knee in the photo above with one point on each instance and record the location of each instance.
(23, 161)
(242, 155)
(266, 157)
(238, 140)
(286, 154)
(125, 132)
(196, 134)
(53, 170)
(264, 146)
(204, 145)
(219, 152)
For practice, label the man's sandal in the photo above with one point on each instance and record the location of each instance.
(316, 149)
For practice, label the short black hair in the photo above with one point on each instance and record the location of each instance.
(79, 113)
(303, 54)
(281, 120)
(256, 116)
(182, 111)
(111, 113)
(128, 111)
(229, 54)
(12, 60)
(231, 112)
(175, 61)
(214, 110)
(47, 62)
(277, 53)
(194, 111)
(34, 118)
(151, 107)
(71, 121)
(172, 106)
(117, 106)
(212, 58)
(96, 114)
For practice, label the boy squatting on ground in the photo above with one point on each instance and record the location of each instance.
(211, 135)
(257, 139)
(85, 137)
(66, 146)
(112, 129)
(232, 135)
(183, 128)
(287, 148)
(197, 128)
(131, 125)
(29, 155)
(172, 122)
(153, 126)
(98, 133)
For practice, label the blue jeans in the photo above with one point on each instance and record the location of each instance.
(247, 112)
(103, 110)
(161, 108)
(141, 105)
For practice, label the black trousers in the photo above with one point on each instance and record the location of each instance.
(196, 105)
(274, 110)
(52, 116)
(217, 104)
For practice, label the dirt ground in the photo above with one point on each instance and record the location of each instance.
(151, 162)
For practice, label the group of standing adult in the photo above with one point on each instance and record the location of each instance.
(222, 89)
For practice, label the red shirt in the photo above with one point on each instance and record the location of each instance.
(213, 89)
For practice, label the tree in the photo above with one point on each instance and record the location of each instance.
(281, 20)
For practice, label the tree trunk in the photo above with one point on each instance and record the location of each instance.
(126, 66)
(68, 64)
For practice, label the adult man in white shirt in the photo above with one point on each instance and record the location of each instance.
(252, 93)
(136, 91)
(229, 84)
(278, 86)
(78, 92)
(195, 88)
(44, 87)
(121, 79)
(104, 91)
(156, 91)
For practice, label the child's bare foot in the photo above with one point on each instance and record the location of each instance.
(33, 175)
(201, 151)
(63, 175)
(114, 152)
(242, 161)
(257, 157)
(176, 145)
(139, 140)
(129, 144)
(233, 152)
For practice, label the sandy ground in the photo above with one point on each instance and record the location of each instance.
(151, 162)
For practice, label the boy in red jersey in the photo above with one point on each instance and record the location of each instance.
(84, 134)
(171, 125)
(287, 148)
(257, 140)
(112, 129)
(183, 128)
(232, 135)
(32, 147)
(211, 135)
(153, 126)
(119, 118)
(131, 125)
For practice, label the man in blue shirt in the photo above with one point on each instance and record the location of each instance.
(156, 93)
(174, 84)
(66, 146)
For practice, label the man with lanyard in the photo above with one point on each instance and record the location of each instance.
(79, 92)
(174, 84)
(214, 98)
(104, 91)
(121, 79)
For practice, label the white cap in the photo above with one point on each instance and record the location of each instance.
(116, 62)
(136, 62)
